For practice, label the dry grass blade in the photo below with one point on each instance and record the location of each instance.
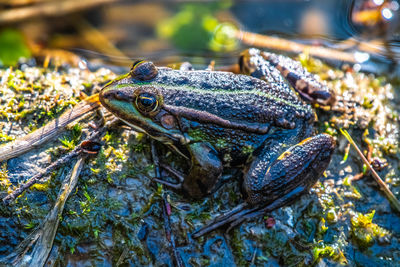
(42, 238)
(395, 202)
(49, 131)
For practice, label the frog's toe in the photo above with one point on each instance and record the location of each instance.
(177, 174)
(169, 184)
(231, 219)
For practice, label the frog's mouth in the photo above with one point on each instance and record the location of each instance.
(153, 134)
(171, 141)
(120, 104)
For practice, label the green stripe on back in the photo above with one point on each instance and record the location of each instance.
(216, 92)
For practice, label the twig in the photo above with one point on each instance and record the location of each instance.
(13, 195)
(42, 238)
(395, 202)
(49, 131)
(166, 208)
(259, 40)
(168, 231)
(77, 151)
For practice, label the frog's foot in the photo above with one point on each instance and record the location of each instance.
(271, 186)
(178, 175)
(245, 212)
(305, 83)
(206, 168)
(224, 219)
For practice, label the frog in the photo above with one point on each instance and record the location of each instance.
(260, 120)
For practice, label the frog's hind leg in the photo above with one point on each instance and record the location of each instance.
(272, 185)
(305, 83)
(299, 166)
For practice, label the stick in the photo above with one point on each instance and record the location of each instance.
(166, 209)
(49, 131)
(254, 39)
(395, 202)
(77, 151)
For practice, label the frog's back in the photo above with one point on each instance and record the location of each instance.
(233, 97)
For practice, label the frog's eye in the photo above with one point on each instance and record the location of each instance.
(146, 103)
(143, 70)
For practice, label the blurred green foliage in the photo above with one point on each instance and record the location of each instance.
(12, 47)
(196, 28)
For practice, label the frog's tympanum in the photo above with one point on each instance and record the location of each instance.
(220, 119)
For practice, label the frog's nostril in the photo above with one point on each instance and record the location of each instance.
(120, 95)
(113, 94)
(104, 94)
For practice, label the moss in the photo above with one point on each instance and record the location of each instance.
(353, 191)
(5, 183)
(331, 215)
(197, 135)
(67, 144)
(364, 231)
(41, 186)
(74, 134)
(328, 251)
(238, 248)
(5, 138)
(198, 214)
(322, 228)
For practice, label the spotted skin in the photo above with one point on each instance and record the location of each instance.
(221, 119)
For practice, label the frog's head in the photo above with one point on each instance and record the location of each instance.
(136, 99)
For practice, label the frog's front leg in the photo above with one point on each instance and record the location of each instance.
(258, 64)
(271, 185)
(205, 170)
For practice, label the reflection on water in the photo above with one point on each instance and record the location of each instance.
(121, 31)
(183, 31)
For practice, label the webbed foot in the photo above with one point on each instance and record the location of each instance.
(253, 62)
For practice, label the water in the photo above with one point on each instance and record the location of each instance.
(183, 31)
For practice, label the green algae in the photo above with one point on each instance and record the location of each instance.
(364, 231)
